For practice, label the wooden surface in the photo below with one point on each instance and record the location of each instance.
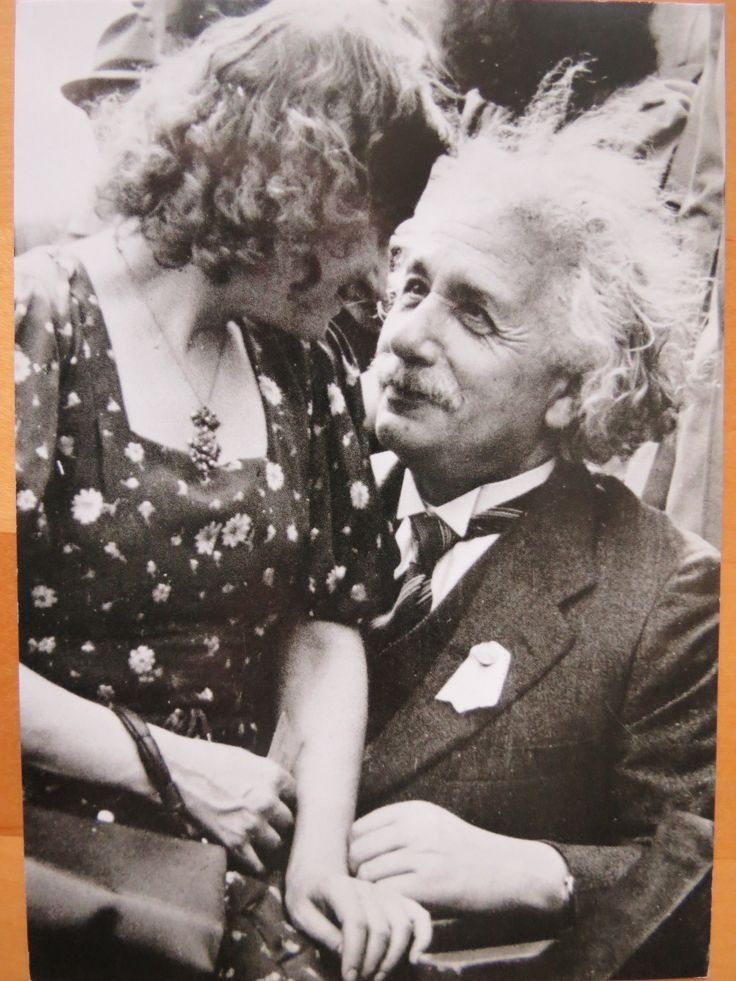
(13, 957)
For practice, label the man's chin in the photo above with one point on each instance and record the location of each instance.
(406, 430)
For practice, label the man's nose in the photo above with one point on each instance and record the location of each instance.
(412, 334)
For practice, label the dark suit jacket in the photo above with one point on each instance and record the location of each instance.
(607, 717)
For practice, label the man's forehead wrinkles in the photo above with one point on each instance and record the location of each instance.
(486, 268)
(496, 235)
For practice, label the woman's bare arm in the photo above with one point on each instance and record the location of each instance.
(74, 737)
(324, 702)
(240, 798)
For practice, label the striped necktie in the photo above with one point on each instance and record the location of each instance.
(432, 537)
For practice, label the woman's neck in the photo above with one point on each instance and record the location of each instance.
(181, 302)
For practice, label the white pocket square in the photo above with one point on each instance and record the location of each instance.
(479, 680)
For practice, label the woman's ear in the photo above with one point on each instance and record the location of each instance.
(307, 273)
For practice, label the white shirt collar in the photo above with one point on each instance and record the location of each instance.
(458, 512)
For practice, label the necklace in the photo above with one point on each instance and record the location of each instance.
(204, 448)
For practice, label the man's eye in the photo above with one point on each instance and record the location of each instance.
(476, 319)
(413, 291)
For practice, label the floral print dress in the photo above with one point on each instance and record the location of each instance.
(138, 583)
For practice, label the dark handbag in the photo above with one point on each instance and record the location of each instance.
(115, 902)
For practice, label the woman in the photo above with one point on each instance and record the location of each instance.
(194, 502)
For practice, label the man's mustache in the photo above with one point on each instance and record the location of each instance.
(433, 384)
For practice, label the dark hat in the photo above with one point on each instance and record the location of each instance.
(124, 52)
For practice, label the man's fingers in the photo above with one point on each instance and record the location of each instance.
(377, 819)
(386, 866)
(374, 843)
(407, 884)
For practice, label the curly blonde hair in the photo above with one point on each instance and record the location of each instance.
(623, 273)
(277, 130)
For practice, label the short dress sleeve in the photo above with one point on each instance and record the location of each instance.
(43, 343)
(350, 557)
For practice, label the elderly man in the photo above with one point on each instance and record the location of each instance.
(544, 686)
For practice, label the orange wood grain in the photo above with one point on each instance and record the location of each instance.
(13, 956)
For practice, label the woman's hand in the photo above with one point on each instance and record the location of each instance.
(371, 927)
(242, 799)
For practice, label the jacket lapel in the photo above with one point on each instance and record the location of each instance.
(511, 595)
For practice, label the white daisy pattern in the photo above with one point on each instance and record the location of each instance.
(66, 445)
(113, 550)
(161, 592)
(359, 593)
(206, 538)
(146, 510)
(334, 576)
(44, 597)
(336, 399)
(22, 366)
(26, 500)
(87, 506)
(135, 452)
(359, 495)
(270, 390)
(237, 530)
(142, 660)
(274, 476)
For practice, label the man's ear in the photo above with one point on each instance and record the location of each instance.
(562, 408)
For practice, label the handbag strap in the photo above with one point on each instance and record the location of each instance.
(155, 766)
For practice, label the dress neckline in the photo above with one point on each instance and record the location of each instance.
(121, 412)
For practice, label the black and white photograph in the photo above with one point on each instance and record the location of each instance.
(368, 371)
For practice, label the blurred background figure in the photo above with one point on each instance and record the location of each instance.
(686, 476)
(175, 23)
(505, 47)
(124, 51)
(134, 38)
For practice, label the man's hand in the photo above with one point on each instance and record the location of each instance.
(430, 855)
(370, 927)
